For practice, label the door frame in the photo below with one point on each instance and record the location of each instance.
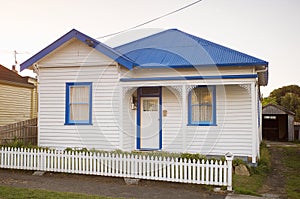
(138, 120)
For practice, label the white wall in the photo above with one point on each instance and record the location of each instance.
(128, 131)
(104, 133)
(233, 132)
(199, 71)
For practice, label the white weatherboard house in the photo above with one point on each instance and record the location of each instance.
(170, 91)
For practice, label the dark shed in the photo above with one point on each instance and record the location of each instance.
(278, 123)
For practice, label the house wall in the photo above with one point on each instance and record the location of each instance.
(15, 103)
(233, 132)
(173, 124)
(200, 71)
(128, 131)
(78, 63)
(34, 98)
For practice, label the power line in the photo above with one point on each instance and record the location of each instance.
(155, 19)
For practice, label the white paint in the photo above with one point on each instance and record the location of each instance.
(149, 128)
(104, 133)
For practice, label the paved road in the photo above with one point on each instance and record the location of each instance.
(104, 186)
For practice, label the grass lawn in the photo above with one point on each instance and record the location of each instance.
(249, 185)
(292, 163)
(16, 193)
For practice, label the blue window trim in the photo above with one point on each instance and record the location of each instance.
(138, 136)
(67, 111)
(214, 120)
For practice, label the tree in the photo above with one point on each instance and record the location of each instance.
(269, 100)
(290, 101)
(280, 92)
(286, 96)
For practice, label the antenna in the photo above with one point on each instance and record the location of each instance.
(15, 55)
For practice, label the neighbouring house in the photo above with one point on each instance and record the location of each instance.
(278, 123)
(297, 130)
(18, 97)
(170, 91)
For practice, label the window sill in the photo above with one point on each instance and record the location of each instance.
(67, 124)
(202, 125)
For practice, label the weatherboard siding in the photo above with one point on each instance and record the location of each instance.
(233, 131)
(103, 133)
(172, 134)
(200, 71)
(75, 53)
(129, 125)
(15, 104)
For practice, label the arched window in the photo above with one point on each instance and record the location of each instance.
(202, 106)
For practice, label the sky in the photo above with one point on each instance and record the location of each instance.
(266, 29)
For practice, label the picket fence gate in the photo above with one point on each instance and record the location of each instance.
(211, 172)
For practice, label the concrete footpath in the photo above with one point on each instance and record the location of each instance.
(239, 196)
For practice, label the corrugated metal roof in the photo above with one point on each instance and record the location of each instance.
(10, 76)
(174, 48)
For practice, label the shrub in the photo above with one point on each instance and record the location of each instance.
(237, 162)
(264, 163)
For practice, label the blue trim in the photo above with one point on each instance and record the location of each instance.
(68, 121)
(138, 122)
(106, 50)
(160, 118)
(138, 136)
(205, 65)
(190, 78)
(214, 107)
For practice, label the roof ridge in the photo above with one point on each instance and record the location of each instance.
(196, 38)
(73, 33)
(144, 38)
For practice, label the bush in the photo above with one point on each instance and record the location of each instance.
(17, 143)
(193, 156)
(237, 162)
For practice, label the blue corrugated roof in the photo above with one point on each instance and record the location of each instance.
(174, 48)
(171, 48)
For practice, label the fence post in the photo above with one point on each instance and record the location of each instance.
(229, 158)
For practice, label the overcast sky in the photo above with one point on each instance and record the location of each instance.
(266, 29)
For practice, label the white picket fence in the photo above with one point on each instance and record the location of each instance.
(117, 165)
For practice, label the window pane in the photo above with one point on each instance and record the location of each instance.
(79, 94)
(202, 113)
(79, 112)
(150, 105)
(201, 105)
(201, 95)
